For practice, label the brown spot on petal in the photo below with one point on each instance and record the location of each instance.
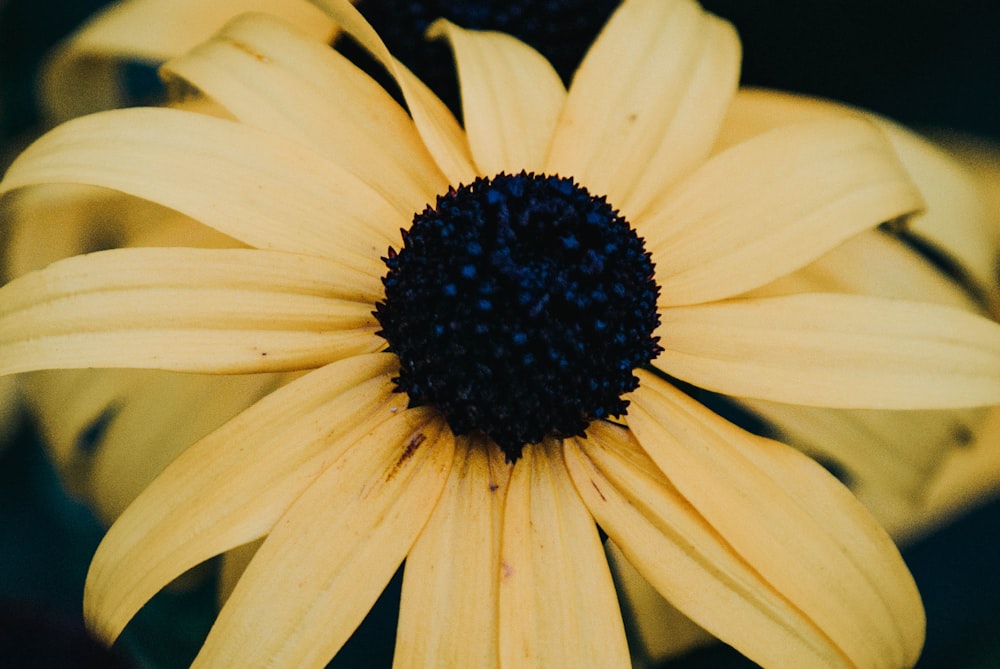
(594, 483)
(246, 48)
(411, 447)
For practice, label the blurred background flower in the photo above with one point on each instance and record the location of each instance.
(927, 65)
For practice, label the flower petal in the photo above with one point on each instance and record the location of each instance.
(455, 565)
(558, 606)
(437, 126)
(186, 309)
(327, 560)
(511, 98)
(897, 452)
(685, 559)
(270, 76)
(237, 482)
(81, 76)
(258, 187)
(791, 520)
(835, 350)
(646, 103)
(112, 431)
(958, 219)
(771, 205)
(808, 571)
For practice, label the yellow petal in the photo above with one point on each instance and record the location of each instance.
(511, 98)
(685, 559)
(873, 263)
(896, 452)
(270, 76)
(437, 126)
(448, 612)
(182, 309)
(771, 205)
(558, 606)
(326, 562)
(958, 219)
(233, 486)
(646, 103)
(790, 520)
(82, 75)
(835, 350)
(111, 432)
(258, 187)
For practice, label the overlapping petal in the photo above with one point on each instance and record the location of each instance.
(772, 204)
(268, 75)
(646, 103)
(685, 559)
(327, 560)
(187, 310)
(456, 565)
(437, 126)
(233, 486)
(557, 601)
(835, 350)
(82, 75)
(958, 218)
(790, 520)
(258, 187)
(511, 98)
(117, 429)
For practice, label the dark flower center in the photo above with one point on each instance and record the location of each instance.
(519, 306)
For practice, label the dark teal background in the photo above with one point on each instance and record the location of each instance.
(924, 63)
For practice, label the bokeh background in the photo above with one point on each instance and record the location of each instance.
(932, 65)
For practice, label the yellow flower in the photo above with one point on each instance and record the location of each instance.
(315, 171)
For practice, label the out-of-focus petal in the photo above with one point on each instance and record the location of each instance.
(558, 606)
(832, 350)
(452, 574)
(258, 187)
(271, 76)
(958, 219)
(83, 74)
(185, 309)
(437, 126)
(237, 482)
(511, 98)
(771, 205)
(646, 103)
(327, 560)
(110, 432)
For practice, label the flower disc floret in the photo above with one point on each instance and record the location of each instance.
(519, 306)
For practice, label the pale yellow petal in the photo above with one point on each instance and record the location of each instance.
(835, 350)
(256, 186)
(271, 76)
(233, 486)
(685, 559)
(329, 557)
(558, 606)
(448, 612)
(646, 103)
(873, 262)
(186, 310)
(437, 126)
(790, 520)
(83, 74)
(958, 218)
(895, 452)
(110, 432)
(771, 205)
(659, 628)
(511, 98)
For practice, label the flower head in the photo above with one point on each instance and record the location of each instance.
(570, 255)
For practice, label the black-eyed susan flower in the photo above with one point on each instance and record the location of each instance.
(581, 251)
